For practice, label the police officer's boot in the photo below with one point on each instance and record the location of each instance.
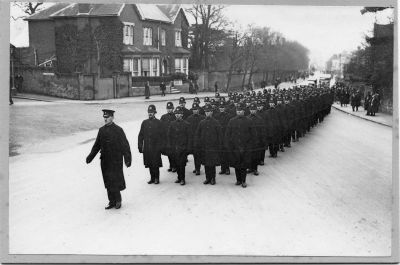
(118, 205)
(212, 181)
(207, 181)
(110, 206)
(157, 180)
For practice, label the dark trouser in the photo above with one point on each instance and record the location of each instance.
(181, 172)
(224, 161)
(240, 175)
(263, 155)
(154, 173)
(171, 162)
(273, 149)
(11, 101)
(162, 92)
(197, 162)
(210, 172)
(114, 196)
(287, 138)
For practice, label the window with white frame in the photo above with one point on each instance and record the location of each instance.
(162, 37)
(181, 65)
(155, 67)
(132, 65)
(147, 36)
(178, 38)
(128, 33)
(150, 67)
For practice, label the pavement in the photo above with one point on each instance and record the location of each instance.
(44, 99)
(380, 118)
(330, 194)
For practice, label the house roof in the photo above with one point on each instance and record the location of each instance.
(171, 11)
(94, 10)
(152, 12)
(130, 49)
(45, 13)
(163, 13)
(180, 50)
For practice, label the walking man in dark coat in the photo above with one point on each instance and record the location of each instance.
(179, 143)
(239, 137)
(147, 90)
(114, 148)
(194, 121)
(223, 118)
(150, 143)
(209, 141)
(259, 141)
(166, 120)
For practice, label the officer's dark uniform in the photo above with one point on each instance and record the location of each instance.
(151, 142)
(223, 118)
(114, 148)
(209, 141)
(194, 121)
(186, 112)
(179, 139)
(259, 141)
(273, 122)
(166, 119)
(238, 141)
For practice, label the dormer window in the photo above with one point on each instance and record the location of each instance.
(178, 38)
(128, 33)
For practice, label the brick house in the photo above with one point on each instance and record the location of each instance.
(144, 39)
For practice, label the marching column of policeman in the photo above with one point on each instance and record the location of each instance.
(238, 130)
(229, 132)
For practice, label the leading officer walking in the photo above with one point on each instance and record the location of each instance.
(114, 148)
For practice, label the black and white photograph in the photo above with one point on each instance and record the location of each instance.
(200, 130)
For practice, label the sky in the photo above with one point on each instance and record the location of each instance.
(325, 30)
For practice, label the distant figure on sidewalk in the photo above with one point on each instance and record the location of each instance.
(171, 86)
(355, 100)
(196, 87)
(216, 86)
(114, 148)
(374, 104)
(367, 103)
(163, 87)
(147, 90)
(191, 87)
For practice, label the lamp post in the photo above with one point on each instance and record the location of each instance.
(12, 52)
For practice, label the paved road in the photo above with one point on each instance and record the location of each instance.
(330, 194)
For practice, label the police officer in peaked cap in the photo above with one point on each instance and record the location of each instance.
(114, 148)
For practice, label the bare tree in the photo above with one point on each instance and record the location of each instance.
(29, 8)
(209, 22)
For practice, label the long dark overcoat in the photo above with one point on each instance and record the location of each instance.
(209, 141)
(114, 148)
(179, 139)
(238, 141)
(151, 141)
(194, 121)
(166, 120)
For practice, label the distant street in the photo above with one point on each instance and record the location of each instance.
(330, 194)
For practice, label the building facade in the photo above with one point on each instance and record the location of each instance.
(143, 39)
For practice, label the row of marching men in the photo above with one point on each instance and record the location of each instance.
(230, 132)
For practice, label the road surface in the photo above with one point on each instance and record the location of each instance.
(328, 195)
